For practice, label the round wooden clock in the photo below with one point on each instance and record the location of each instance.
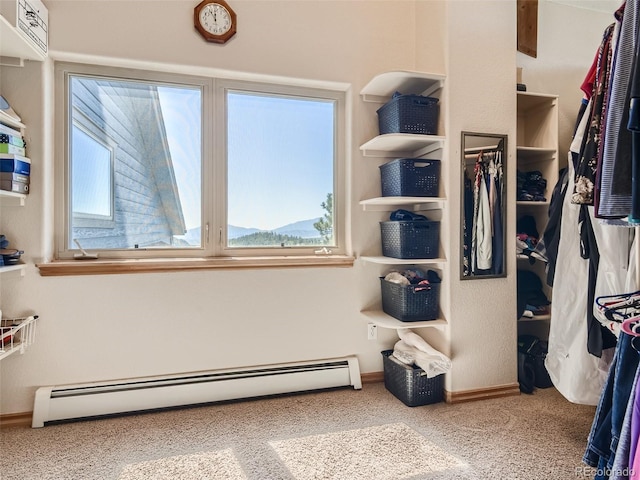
(215, 20)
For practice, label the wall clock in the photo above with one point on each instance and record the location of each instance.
(215, 20)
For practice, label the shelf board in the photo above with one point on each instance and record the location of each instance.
(381, 87)
(12, 198)
(403, 261)
(14, 46)
(12, 268)
(383, 320)
(10, 121)
(409, 145)
(535, 153)
(530, 100)
(537, 318)
(532, 204)
(414, 203)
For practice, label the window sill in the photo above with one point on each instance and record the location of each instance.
(125, 266)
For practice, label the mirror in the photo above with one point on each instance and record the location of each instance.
(483, 229)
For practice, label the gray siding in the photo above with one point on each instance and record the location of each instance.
(147, 209)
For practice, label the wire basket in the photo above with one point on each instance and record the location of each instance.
(410, 303)
(410, 238)
(410, 177)
(409, 383)
(409, 114)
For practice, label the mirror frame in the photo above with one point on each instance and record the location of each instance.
(485, 141)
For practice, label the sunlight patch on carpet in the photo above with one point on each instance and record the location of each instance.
(386, 452)
(216, 464)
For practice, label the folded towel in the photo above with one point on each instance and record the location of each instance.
(412, 348)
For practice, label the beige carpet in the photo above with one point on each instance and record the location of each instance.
(386, 452)
(220, 464)
(342, 434)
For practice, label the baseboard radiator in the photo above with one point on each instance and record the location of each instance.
(83, 401)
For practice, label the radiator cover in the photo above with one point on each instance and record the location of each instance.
(88, 400)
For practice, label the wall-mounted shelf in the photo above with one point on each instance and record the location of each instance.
(8, 120)
(12, 198)
(16, 334)
(408, 145)
(14, 48)
(383, 320)
(383, 86)
(413, 203)
(381, 260)
(21, 267)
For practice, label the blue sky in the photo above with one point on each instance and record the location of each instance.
(280, 156)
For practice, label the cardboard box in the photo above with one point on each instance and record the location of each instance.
(18, 187)
(30, 18)
(15, 164)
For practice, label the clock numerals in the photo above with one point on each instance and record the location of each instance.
(215, 20)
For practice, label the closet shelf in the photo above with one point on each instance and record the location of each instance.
(532, 204)
(414, 203)
(409, 145)
(528, 101)
(381, 87)
(16, 334)
(535, 153)
(537, 318)
(383, 320)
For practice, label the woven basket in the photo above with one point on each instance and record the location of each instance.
(409, 383)
(409, 114)
(410, 177)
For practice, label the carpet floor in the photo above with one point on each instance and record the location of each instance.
(341, 434)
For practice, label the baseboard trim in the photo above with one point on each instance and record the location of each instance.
(16, 420)
(509, 390)
(372, 377)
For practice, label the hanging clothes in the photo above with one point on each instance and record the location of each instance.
(576, 374)
(483, 228)
(590, 149)
(616, 156)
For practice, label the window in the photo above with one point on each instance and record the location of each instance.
(163, 165)
(91, 177)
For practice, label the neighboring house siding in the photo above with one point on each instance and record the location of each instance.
(142, 214)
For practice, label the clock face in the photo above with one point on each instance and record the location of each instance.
(215, 19)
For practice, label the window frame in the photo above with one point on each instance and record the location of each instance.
(99, 136)
(259, 88)
(213, 166)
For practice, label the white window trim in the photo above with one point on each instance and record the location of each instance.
(99, 136)
(213, 163)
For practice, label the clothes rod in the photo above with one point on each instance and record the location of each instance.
(480, 149)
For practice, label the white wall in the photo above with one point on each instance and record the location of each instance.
(569, 33)
(107, 327)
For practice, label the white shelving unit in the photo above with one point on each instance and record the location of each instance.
(7, 197)
(14, 48)
(16, 335)
(537, 150)
(394, 145)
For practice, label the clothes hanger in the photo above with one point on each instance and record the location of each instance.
(619, 307)
(631, 327)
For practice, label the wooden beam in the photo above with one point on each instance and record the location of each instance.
(528, 27)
